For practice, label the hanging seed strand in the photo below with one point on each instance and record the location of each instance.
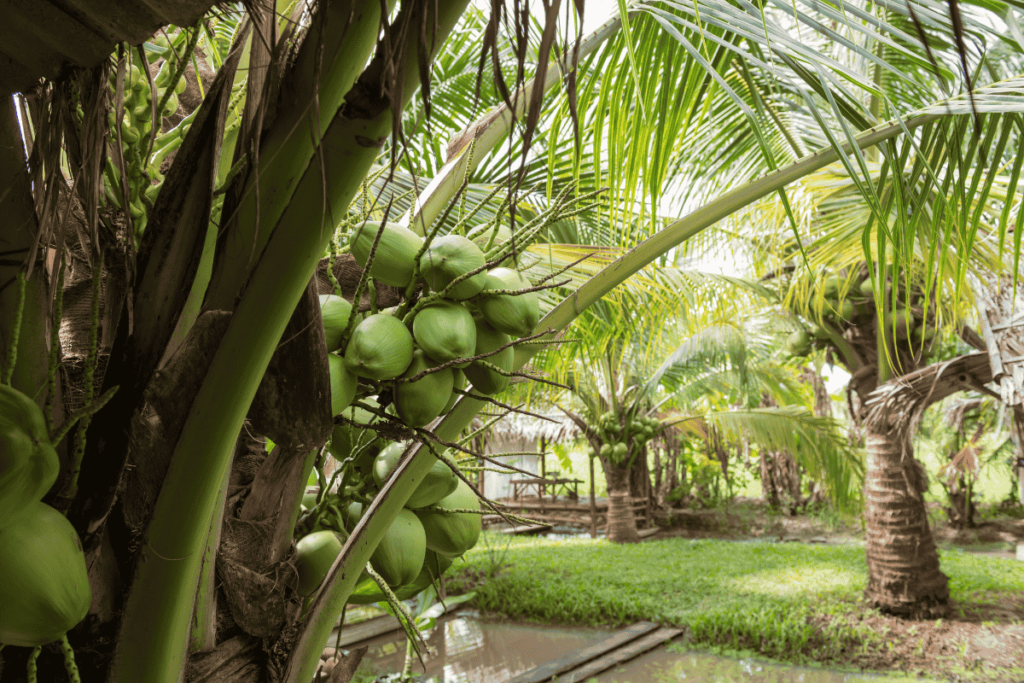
(69, 660)
(31, 670)
(12, 355)
(52, 362)
(335, 285)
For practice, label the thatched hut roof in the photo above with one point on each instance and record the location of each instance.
(556, 428)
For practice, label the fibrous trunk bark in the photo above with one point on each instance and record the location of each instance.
(903, 565)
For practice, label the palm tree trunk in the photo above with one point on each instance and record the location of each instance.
(903, 565)
(621, 521)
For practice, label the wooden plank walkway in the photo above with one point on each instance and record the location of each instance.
(371, 628)
(623, 654)
(526, 530)
(576, 659)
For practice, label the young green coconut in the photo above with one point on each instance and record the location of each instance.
(380, 348)
(44, 591)
(438, 483)
(445, 331)
(395, 258)
(434, 565)
(400, 553)
(489, 236)
(448, 258)
(334, 311)
(514, 314)
(484, 379)
(459, 385)
(314, 555)
(28, 463)
(343, 384)
(418, 403)
(453, 533)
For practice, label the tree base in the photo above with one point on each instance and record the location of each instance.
(909, 598)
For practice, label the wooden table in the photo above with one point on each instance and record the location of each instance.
(540, 485)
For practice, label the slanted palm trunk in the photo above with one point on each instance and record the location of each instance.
(903, 564)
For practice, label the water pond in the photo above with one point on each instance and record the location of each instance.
(467, 649)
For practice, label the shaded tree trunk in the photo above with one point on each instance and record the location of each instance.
(621, 479)
(903, 565)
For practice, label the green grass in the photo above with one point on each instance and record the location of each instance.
(760, 598)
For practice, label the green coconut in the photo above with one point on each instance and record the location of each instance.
(484, 379)
(28, 463)
(399, 555)
(514, 314)
(314, 555)
(899, 322)
(343, 384)
(453, 533)
(347, 439)
(439, 481)
(448, 258)
(798, 343)
(45, 588)
(380, 348)
(445, 331)
(832, 286)
(418, 403)
(620, 451)
(460, 384)
(819, 332)
(395, 258)
(434, 565)
(335, 312)
(489, 236)
(847, 311)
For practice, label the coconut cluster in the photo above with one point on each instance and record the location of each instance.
(856, 308)
(421, 543)
(617, 431)
(456, 326)
(427, 355)
(136, 124)
(45, 588)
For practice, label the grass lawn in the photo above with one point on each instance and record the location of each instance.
(789, 602)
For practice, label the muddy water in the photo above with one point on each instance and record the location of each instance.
(664, 666)
(466, 649)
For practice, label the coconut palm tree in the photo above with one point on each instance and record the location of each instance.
(706, 370)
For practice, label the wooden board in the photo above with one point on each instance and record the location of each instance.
(371, 628)
(526, 530)
(578, 658)
(622, 654)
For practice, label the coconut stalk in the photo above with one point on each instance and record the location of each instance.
(204, 621)
(18, 236)
(336, 48)
(344, 574)
(155, 626)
